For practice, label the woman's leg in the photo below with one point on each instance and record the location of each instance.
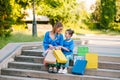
(54, 66)
(50, 69)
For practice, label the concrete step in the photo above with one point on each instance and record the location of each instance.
(104, 73)
(6, 77)
(42, 74)
(102, 64)
(32, 52)
(34, 59)
(108, 58)
(109, 65)
(41, 67)
(26, 65)
(101, 57)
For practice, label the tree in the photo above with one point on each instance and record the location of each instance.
(96, 14)
(5, 18)
(71, 13)
(58, 10)
(108, 13)
(10, 13)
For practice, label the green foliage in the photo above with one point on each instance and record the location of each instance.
(24, 3)
(5, 18)
(117, 18)
(70, 13)
(10, 12)
(16, 11)
(108, 13)
(115, 27)
(96, 15)
(54, 9)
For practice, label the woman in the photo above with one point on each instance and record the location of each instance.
(52, 40)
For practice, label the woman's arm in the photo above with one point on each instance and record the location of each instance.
(61, 40)
(45, 41)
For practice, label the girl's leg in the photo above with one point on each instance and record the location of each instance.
(69, 57)
(67, 63)
(61, 68)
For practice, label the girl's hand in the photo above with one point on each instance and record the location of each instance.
(59, 47)
(65, 48)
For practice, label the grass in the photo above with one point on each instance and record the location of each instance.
(19, 37)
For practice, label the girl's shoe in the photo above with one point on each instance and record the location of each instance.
(60, 70)
(54, 70)
(65, 71)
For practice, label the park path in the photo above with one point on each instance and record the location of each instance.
(102, 44)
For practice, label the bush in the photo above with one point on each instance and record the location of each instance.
(115, 27)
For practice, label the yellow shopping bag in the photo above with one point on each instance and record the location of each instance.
(60, 57)
(92, 59)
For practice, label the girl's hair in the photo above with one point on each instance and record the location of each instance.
(57, 25)
(71, 32)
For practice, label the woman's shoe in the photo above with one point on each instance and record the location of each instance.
(54, 70)
(50, 70)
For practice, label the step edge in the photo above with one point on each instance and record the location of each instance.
(43, 72)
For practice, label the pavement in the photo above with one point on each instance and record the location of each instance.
(102, 44)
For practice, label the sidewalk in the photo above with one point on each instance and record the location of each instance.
(101, 44)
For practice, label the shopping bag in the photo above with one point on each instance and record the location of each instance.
(50, 58)
(60, 57)
(92, 59)
(82, 50)
(78, 58)
(79, 67)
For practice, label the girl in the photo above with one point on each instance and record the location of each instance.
(67, 49)
(53, 39)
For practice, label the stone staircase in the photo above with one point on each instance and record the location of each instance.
(28, 66)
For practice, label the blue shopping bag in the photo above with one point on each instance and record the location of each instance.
(79, 67)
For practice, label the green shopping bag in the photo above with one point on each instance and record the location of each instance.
(82, 50)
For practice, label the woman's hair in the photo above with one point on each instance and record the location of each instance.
(71, 32)
(57, 25)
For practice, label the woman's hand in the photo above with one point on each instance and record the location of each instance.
(51, 46)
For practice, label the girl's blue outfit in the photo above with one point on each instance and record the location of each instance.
(69, 44)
